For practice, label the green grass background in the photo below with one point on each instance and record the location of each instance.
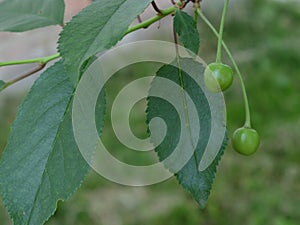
(263, 189)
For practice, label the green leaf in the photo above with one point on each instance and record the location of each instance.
(96, 28)
(186, 28)
(42, 163)
(18, 16)
(2, 85)
(197, 182)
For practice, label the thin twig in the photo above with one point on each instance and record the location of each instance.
(155, 7)
(152, 20)
(139, 19)
(42, 60)
(184, 4)
(31, 72)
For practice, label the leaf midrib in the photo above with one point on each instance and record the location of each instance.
(186, 112)
(44, 170)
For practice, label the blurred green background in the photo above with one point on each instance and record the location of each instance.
(263, 189)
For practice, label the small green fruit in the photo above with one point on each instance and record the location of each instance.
(218, 77)
(245, 140)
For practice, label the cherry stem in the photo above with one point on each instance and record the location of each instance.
(247, 109)
(219, 50)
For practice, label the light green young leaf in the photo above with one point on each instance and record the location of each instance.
(197, 182)
(186, 28)
(18, 16)
(42, 163)
(96, 28)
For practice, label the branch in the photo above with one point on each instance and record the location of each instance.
(147, 23)
(36, 69)
(43, 60)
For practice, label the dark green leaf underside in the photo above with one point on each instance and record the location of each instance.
(186, 28)
(41, 163)
(96, 28)
(197, 183)
(18, 16)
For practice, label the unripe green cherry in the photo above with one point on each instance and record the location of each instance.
(218, 77)
(245, 140)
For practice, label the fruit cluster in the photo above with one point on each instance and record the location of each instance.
(219, 77)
